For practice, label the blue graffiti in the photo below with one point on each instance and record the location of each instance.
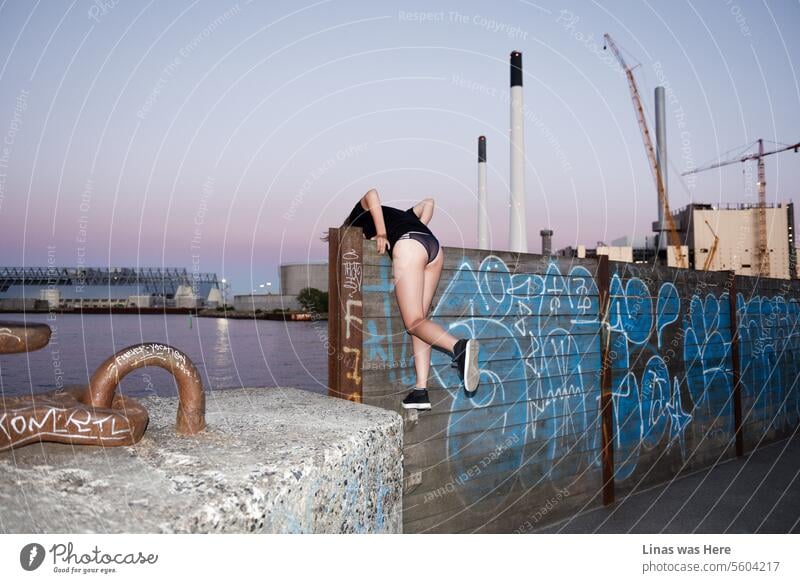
(538, 408)
(539, 360)
(769, 344)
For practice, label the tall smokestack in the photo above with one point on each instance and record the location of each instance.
(547, 241)
(517, 233)
(483, 215)
(661, 157)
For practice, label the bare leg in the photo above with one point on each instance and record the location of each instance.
(410, 270)
(422, 350)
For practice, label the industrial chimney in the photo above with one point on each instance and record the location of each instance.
(483, 216)
(661, 157)
(547, 241)
(517, 234)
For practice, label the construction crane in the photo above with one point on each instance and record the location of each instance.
(674, 238)
(762, 261)
(713, 250)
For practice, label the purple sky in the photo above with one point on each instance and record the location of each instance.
(227, 136)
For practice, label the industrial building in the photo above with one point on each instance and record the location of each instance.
(723, 237)
(265, 303)
(67, 288)
(294, 278)
(718, 237)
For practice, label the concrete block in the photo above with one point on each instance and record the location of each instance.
(272, 460)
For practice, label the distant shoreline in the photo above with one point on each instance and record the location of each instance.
(228, 314)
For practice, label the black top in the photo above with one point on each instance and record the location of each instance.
(397, 222)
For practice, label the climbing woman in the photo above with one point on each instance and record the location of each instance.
(417, 261)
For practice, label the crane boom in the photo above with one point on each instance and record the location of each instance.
(753, 156)
(675, 240)
(713, 251)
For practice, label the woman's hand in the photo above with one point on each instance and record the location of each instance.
(382, 242)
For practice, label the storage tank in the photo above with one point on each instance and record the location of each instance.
(296, 276)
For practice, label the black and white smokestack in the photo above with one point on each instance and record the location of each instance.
(483, 214)
(517, 233)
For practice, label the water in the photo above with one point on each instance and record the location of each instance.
(227, 353)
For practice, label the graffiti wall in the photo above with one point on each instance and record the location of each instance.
(767, 316)
(526, 450)
(672, 372)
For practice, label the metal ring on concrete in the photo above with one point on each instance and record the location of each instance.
(192, 406)
(95, 415)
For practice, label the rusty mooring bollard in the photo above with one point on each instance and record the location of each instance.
(95, 415)
(192, 399)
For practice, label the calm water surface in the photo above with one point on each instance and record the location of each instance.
(227, 353)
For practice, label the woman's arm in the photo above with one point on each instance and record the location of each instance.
(372, 203)
(424, 210)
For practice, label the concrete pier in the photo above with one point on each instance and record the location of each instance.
(272, 460)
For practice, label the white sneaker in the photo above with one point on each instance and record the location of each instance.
(466, 358)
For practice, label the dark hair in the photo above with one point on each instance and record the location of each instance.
(346, 223)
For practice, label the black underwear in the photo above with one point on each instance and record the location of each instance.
(430, 242)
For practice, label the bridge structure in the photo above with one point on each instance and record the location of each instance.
(148, 280)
